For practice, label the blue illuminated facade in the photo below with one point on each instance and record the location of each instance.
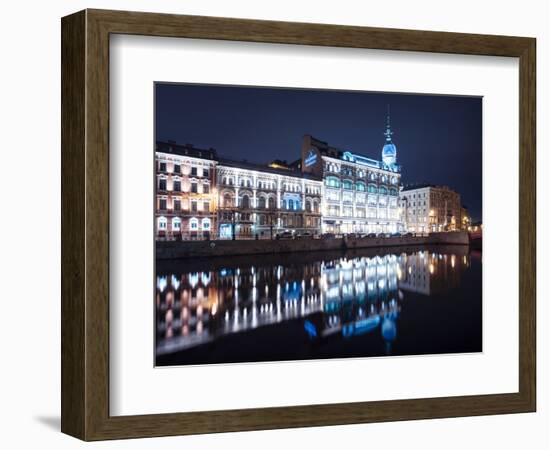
(360, 194)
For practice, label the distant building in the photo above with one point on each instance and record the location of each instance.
(429, 208)
(360, 194)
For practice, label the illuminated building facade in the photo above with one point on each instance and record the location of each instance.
(185, 192)
(202, 196)
(428, 208)
(260, 201)
(360, 194)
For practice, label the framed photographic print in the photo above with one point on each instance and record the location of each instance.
(270, 224)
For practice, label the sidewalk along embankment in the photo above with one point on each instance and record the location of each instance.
(201, 249)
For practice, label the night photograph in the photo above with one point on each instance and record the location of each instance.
(302, 224)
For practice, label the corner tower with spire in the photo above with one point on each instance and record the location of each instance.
(389, 151)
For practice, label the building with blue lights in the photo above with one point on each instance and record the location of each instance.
(201, 195)
(360, 194)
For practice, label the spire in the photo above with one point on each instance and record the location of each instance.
(388, 131)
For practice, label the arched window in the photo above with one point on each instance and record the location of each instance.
(161, 223)
(206, 223)
(383, 190)
(261, 203)
(315, 207)
(360, 186)
(347, 184)
(262, 219)
(271, 203)
(227, 200)
(332, 182)
(176, 224)
(393, 191)
(193, 224)
(245, 202)
(308, 206)
(290, 204)
(372, 188)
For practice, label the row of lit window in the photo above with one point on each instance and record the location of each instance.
(349, 171)
(176, 168)
(177, 205)
(176, 186)
(194, 223)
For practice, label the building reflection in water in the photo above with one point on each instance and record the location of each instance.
(340, 296)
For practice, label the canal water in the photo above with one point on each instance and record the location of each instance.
(365, 303)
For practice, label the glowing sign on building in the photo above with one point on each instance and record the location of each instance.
(311, 158)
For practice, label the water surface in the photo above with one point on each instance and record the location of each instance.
(378, 302)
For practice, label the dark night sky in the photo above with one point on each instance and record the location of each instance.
(438, 138)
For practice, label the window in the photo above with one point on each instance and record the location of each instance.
(315, 207)
(176, 224)
(177, 205)
(347, 184)
(261, 202)
(162, 204)
(194, 171)
(372, 189)
(194, 224)
(194, 206)
(194, 188)
(177, 168)
(206, 188)
(206, 206)
(360, 186)
(162, 184)
(161, 223)
(332, 182)
(383, 190)
(206, 224)
(205, 172)
(227, 200)
(177, 185)
(271, 203)
(162, 167)
(245, 202)
(308, 206)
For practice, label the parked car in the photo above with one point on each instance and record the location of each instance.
(409, 234)
(395, 235)
(328, 236)
(305, 235)
(371, 235)
(285, 235)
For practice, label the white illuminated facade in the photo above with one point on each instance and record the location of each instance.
(258, 201)
(360, 194)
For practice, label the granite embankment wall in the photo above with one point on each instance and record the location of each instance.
(200, 249)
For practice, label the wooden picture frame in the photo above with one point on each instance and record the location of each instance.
(85, 224)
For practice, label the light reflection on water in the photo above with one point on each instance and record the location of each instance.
(331, 294)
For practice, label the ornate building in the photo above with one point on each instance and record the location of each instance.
(262, 201)
(202, 196)
(185, 191)
(360, 194)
